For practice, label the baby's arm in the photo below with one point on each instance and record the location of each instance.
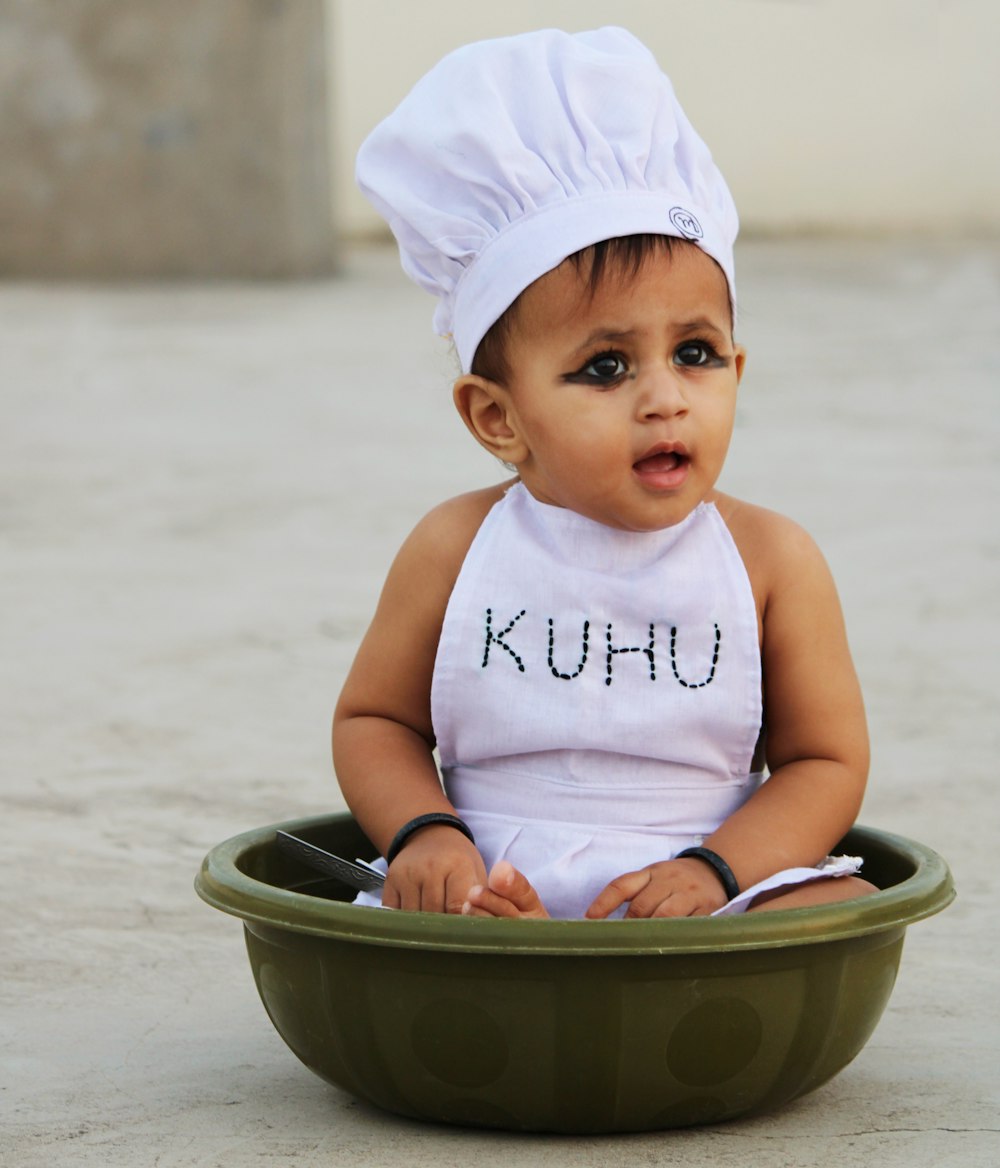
(382, 734)
(817, 741)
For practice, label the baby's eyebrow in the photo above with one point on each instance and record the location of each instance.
(604, 336)
(612, 335)
(699, 324)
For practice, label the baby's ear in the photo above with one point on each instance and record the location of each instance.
(740, 361)
(486, 409)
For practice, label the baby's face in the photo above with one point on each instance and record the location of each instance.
(625, 399)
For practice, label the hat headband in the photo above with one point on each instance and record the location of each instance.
(529, 247)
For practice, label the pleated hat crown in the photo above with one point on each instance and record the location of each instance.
(512, 154)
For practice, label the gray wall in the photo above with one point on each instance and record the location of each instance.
(192, 138)
(151, 138)
(824, 115)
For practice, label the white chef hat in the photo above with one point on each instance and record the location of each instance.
(512, 154)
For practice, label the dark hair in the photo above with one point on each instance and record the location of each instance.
(624, 255)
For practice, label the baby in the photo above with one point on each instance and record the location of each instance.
(608, 654)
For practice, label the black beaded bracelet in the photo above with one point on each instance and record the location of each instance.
(718, 864)
(414, 825)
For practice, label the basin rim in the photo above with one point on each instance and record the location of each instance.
(223, 884)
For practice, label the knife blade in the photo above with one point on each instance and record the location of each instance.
(358, 875)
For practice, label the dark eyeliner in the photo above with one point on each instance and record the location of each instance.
(582, 377)
(713, 358)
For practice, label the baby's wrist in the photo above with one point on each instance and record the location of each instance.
(724, 874)
(418, 823)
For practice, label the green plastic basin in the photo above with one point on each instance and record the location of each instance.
(568, 1026)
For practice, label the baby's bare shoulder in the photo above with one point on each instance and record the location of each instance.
(770, 529)
(434, 551)
(423, 574)
(452, 525)
(775, 549)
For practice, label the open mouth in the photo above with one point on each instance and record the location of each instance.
(661, 462)
(663, 469)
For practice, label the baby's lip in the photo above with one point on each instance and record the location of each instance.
(663, 456)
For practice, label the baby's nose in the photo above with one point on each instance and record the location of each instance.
(661, 394)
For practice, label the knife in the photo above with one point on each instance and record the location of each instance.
(359, 875)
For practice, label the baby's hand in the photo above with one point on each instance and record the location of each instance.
(507, 894)
(434, 872)
(673, 888)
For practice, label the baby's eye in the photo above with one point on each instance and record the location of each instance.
(604, 369)
(696, 353)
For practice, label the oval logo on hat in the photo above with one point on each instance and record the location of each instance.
(686, 223)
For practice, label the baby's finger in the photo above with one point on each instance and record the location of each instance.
(481, 902)
(506, 881)
(456, 892)
(661, 897)
(432, 897)
(654, 903)
(620, 889)
(410, 896)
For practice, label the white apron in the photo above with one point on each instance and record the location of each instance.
(597, 696)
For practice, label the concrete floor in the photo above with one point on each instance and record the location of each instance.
(200, 490)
